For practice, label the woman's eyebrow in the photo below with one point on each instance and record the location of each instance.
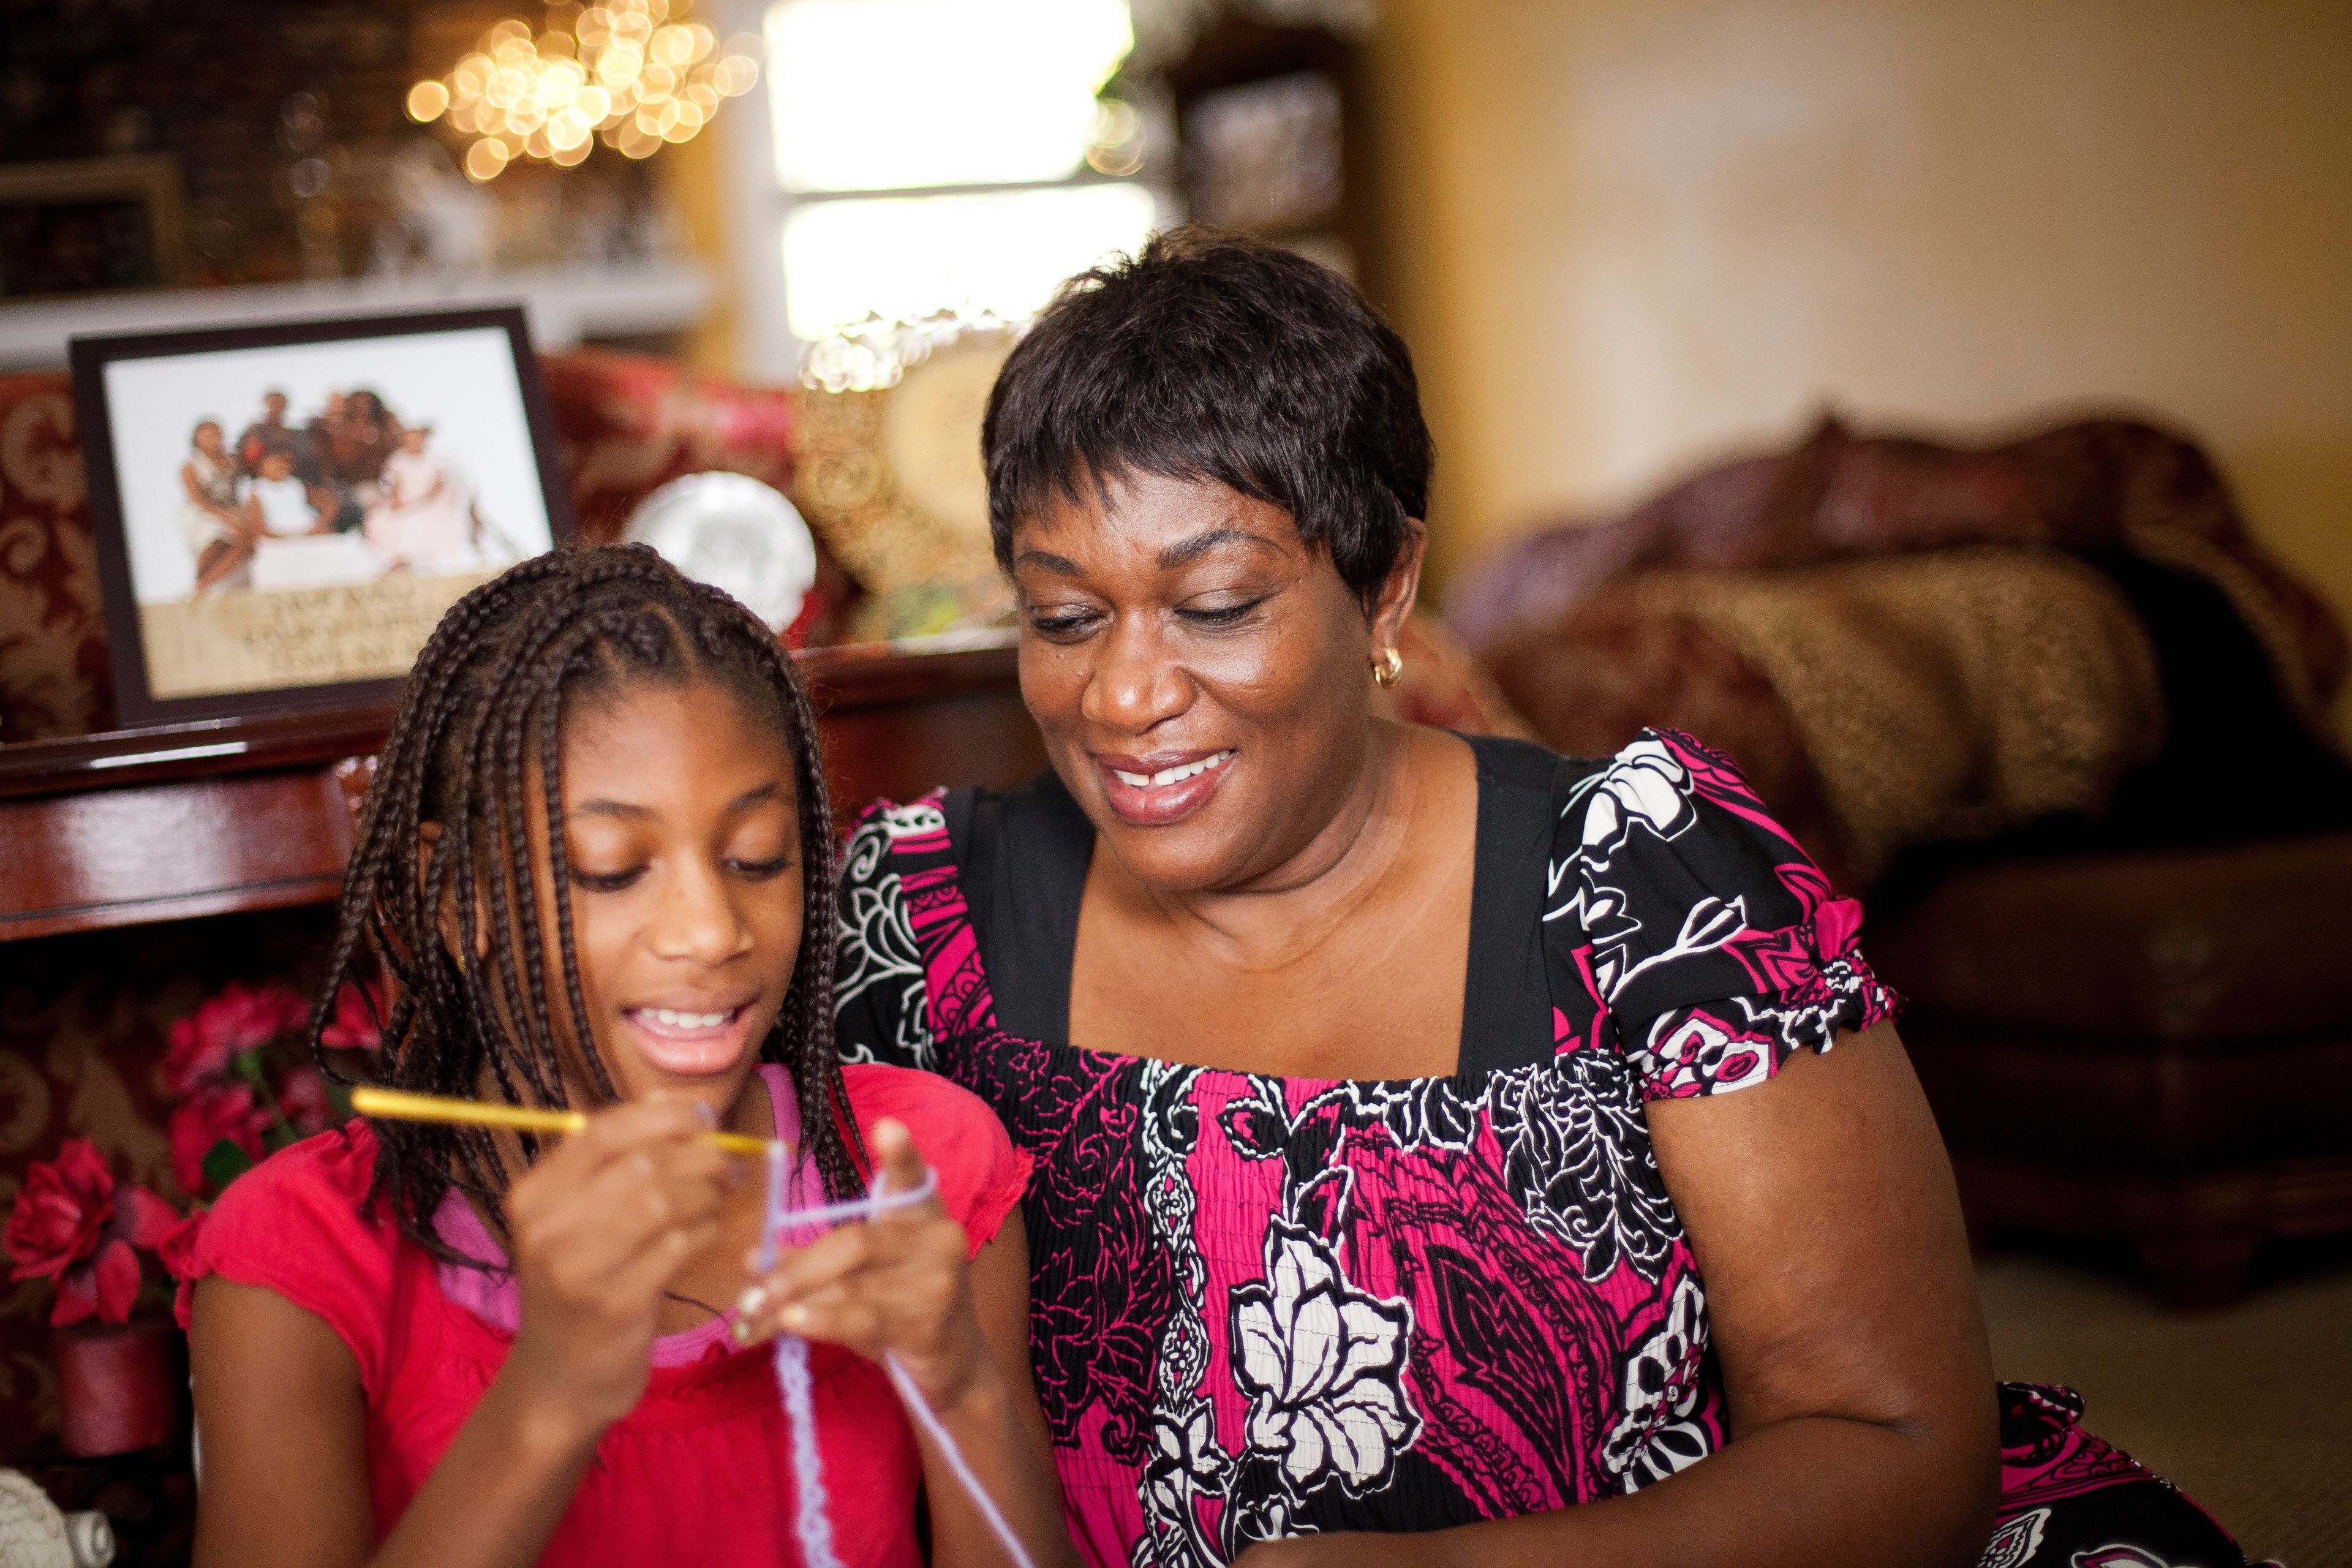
(1060, 565)
(1184, 551)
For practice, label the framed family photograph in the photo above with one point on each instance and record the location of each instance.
(284, 512)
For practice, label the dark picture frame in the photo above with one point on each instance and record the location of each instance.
(138, 702)
(87, 226)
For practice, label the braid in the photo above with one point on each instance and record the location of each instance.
(484, 703)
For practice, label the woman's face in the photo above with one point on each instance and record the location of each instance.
(683, 838)
(208, 440)
(1200, 677)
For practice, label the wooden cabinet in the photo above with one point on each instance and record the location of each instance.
(207, 818)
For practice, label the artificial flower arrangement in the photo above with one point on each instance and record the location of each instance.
(245, 1087)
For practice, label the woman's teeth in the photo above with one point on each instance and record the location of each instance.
(1171, 776)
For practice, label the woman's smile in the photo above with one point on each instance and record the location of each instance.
(1163, 787)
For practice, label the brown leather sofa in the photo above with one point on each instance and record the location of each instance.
(2147, 1046)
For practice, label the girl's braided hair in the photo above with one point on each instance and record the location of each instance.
(484, 704)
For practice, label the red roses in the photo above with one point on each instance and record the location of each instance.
(71, 1227)
(217, 1112)
(239, 1019)
(238, 1066)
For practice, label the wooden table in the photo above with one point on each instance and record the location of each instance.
(207, 818)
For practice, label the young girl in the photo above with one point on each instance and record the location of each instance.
(597, 864)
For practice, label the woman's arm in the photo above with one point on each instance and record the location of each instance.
(1842, 1308)
(900, 1286)
(195, 487)
(601, 1226)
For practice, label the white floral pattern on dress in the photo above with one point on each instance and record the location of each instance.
(877, 937)
(1655, 1436)
(1321, 1363)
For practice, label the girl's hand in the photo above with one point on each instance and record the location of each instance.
(602, 1225)
(897, 1284)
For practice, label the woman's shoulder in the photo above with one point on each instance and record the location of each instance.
(886, 827)
(1699, 921)
(980, 1174)
(1666, 803)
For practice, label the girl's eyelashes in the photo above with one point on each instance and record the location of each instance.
(618, 881)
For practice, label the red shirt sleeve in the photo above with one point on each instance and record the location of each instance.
(980, 1174)
(293, 1224)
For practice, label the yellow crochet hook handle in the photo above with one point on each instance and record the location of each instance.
(400, 1105)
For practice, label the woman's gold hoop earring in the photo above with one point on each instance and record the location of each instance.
(1389, 669)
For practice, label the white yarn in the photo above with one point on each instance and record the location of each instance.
(813, 1523)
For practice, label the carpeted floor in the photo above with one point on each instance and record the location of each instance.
(2248, 1411)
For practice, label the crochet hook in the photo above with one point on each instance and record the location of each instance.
(400, 1105)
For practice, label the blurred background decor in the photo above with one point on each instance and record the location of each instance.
(888, 447)
(2037, 641)
(89, 226)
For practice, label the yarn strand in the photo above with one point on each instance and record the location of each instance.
(812, 1521)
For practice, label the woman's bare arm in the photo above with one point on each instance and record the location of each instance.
(1842, 1308)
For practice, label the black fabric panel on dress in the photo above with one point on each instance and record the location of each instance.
(1021, 857)
(1505, 994)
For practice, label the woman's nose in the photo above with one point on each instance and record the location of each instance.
(1135, 684)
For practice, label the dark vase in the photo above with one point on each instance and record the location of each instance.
(120, 1385)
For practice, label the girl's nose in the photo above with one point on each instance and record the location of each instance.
(699, 921)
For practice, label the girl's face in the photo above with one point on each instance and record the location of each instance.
(683, 840)
(208, 440)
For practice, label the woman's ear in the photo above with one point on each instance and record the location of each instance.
(1398, 590)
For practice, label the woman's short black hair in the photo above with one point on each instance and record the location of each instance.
(1213, 357)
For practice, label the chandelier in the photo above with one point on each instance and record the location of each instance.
(623, 72)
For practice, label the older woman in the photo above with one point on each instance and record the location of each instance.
(1390, 1175)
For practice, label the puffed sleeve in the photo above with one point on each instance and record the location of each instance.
(981, 1175)
(879, 1004)
(1711, 943)
(294, 1224)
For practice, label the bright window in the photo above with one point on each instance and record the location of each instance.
(902, 258)
(934, 153)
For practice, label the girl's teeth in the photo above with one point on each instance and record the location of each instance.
(677, 1020)
(1171, 776)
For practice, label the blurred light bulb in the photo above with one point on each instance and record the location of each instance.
(625, 72)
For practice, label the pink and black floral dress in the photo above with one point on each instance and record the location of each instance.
(1262, 1306)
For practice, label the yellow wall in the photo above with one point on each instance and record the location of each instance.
(1628, 235)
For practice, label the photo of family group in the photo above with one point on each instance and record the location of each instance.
(299, 514)
(349, 493)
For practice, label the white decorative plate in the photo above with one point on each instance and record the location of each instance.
(737, 535)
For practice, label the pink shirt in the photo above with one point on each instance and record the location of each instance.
(698, 1471)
